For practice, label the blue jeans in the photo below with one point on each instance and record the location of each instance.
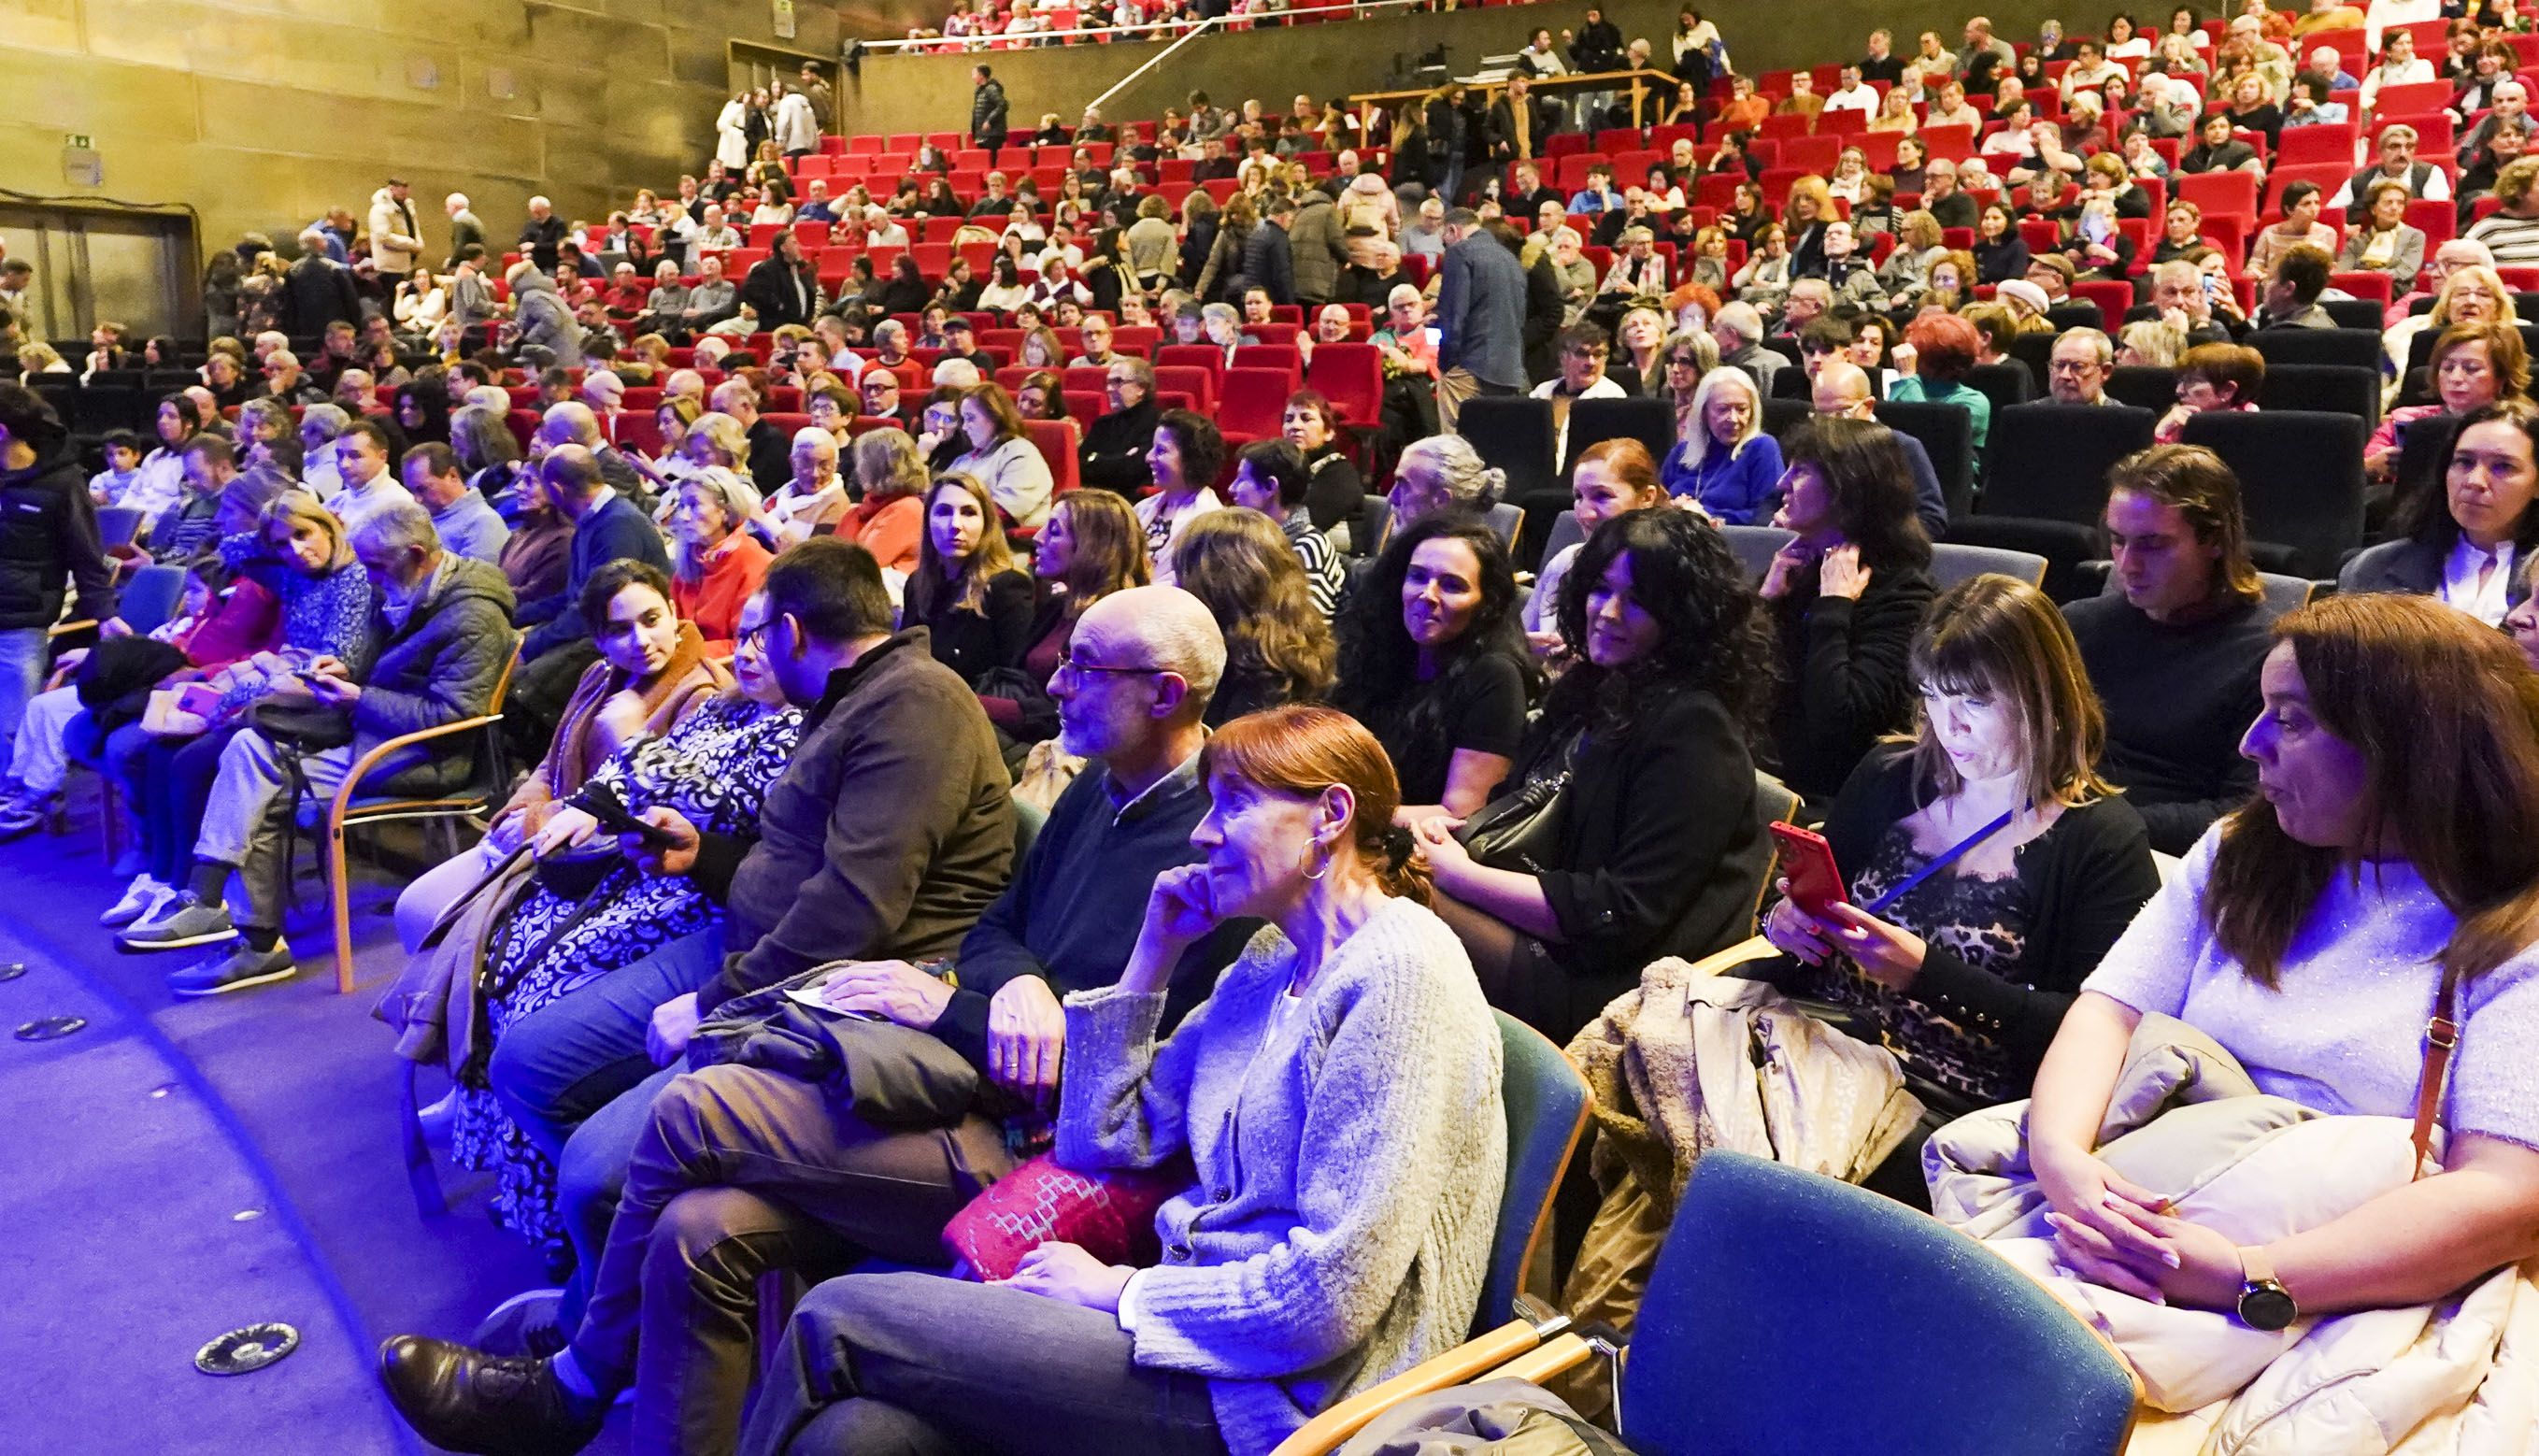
(24, 653)
(574, 1056)
(919, 1365)
(592, 1175)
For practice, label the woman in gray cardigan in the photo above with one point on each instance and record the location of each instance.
(1339, 1095)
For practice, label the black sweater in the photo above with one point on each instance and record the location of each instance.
(2177, 700)
(972, 641)
(1847, 669)
(2087, 875)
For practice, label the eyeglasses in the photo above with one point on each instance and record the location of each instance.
(1067, 664)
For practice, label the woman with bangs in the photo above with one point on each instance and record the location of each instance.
(1989, 864)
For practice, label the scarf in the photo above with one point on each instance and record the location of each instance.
(567, 763)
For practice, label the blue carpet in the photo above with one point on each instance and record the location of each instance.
(137, 1140)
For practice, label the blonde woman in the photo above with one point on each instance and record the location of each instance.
(1721, 461)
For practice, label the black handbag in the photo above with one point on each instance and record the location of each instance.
(1520, 830)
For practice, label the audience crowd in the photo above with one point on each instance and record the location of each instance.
(1100, 661)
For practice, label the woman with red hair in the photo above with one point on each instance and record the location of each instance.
(1938, 350)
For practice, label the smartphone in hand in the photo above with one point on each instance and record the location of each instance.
(1807, 863)
(601, 802)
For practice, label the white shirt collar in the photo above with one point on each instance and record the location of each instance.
(2460, 586)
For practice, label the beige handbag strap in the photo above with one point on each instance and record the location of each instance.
(2442, 1036)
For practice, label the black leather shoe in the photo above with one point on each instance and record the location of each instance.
(463, 1400)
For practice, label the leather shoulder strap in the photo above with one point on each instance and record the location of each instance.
(2442, 1036)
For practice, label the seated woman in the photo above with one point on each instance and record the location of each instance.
(975, 603)
(218, 621)
(537, 557)
(2473, 365)
(1722, 460)
(1655, 848)
(654, 667)
(1990, 866)
(715, 565)
(1090, 549)
(1337, 491)
(1042, 395)
(713, 766)
(1355, 1040)
(888, 518)
(1184, 459)
(2308, 936)
(1433, 474)
(1612, 477)
(1939, 349)
(2459, 539)
(2384, 242)
(2212, 378)
(1432, 662)
(1846, 597)
(1277, 649)
(1271, 478)
(1001, 456)
(299, 554)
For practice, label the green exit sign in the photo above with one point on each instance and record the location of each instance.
(78, 140)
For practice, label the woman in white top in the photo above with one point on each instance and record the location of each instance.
(1007, 292)
(2395, 838)
(421, 302)
(1185, 457)
(2126, 41)
(1002, 458)
(2399, 66)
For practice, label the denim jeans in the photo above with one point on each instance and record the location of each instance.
(917, 1364)
(176, 777)
(24, 653)
(574, 1056)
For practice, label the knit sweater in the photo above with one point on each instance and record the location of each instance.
(1350, 1150)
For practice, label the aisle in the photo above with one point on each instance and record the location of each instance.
(126, 1255)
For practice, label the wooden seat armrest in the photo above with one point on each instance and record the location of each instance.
(363, 765)
(1466, 1362)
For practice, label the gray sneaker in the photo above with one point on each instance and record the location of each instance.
(235, 969)
(185, 921)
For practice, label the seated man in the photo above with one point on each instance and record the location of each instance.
(442, 623)
(1842, 391)
(2076, 372)
(889, 830)
(743, 1169)
(2175, 656)
(2290, 295)
(1113, 455)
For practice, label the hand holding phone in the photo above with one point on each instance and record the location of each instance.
(1807, 863)
(601, 802)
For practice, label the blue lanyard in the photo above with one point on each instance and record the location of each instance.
(1943, 860)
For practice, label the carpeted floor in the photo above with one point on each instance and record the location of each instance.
(181, 1167)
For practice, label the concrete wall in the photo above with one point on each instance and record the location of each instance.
(932, 93)
(260, 113)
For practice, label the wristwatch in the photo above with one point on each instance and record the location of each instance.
(2264, 1303)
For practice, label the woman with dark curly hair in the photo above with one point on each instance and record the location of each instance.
(1433, 662)
(1277, 648)
(1654, 847)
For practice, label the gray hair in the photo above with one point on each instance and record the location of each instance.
(1741, 320)
(2096, 339)
(1472, 485)
(328, 420)
(888, 330)
(395, 525)
(955, 373)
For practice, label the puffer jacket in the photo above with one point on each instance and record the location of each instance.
(48, 535)
(1316, 247)
(440, 666)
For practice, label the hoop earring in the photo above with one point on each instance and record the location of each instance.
(1325, 868)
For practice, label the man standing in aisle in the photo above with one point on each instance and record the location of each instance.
(1480, 317)
(987, 109)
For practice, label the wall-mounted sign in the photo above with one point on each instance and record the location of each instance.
(783, 18)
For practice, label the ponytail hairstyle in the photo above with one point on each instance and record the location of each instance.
(1302, 750)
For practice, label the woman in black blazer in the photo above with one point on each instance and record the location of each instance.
(2451, 533)
(1654, 847)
